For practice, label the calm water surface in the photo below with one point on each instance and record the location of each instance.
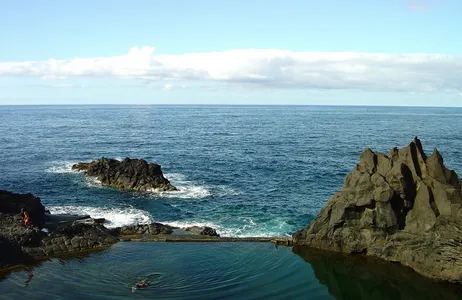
(219, 271)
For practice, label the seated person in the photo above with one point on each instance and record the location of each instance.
(25, 214)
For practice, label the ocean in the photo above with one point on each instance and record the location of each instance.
(243, 170)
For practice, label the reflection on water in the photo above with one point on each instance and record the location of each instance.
(219, 271)
(27, 271)
(174, 271)
(359, 277)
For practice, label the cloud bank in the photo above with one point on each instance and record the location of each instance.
(267, 68)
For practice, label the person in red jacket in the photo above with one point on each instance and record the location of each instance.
(25, 214)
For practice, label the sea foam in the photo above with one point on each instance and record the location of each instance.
(186, 189)
(249, 229)
(61, 167)
(115, 217)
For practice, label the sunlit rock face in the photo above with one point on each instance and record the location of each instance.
(402, 206)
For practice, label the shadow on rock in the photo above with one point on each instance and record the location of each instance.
(359, 277)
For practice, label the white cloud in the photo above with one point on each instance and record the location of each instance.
(168, 87)
(267, 68)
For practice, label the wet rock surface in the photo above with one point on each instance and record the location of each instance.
(129, 174)
(402, 206)
(202, 230)
(77, 237)
(153, 228)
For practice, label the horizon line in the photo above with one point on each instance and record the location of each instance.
(248, 105)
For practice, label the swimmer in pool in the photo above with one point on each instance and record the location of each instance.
(139, 285)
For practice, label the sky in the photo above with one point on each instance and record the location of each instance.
(306, 52)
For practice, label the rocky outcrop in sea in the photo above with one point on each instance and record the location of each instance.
(129, 174)
(402, 207)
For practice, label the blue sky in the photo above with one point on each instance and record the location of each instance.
(342, 52)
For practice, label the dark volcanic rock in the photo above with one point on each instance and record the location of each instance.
(78, 237)
(19, 242)
(403, 207)
(10, 253)
(14, 235)
(131, 174)
(153, 228)
(11, 203)
(202, 230)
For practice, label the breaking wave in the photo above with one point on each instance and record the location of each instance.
(186, 189)
(61, 167)
(115, 217)
(191, 190)
(246, 228)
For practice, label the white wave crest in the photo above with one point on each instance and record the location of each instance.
(256, 232)
(115, 217)
(185, 224)
(186, 189)
(223, 190)
(61, 167)
(91, 181)
(251, 229)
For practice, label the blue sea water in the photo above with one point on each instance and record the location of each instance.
(244, 170)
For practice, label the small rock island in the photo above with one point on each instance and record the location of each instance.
(128, 174)
(402, 207)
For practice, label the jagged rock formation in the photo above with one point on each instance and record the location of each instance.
(130, 174)
(403, 207)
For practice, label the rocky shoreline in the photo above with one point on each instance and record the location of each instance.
(51, 235)
(402, 207)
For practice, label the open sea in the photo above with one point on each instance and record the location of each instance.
(243, 170)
